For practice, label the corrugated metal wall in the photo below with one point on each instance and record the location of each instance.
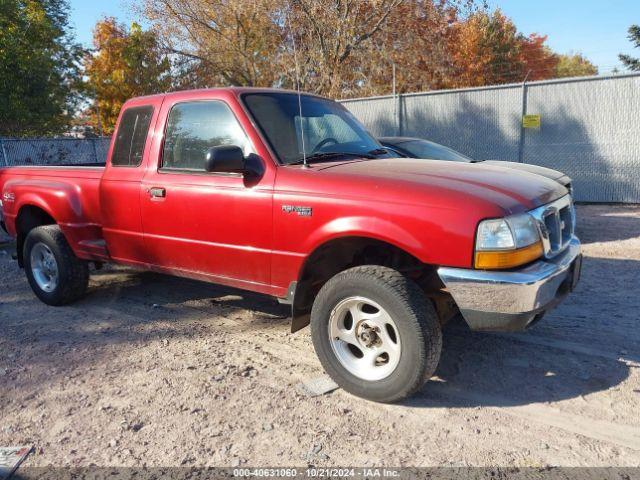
(52, 151)
(590, 128)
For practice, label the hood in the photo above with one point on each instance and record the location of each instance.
(512, 190)
(526, 167)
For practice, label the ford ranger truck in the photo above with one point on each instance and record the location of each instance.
(289, 196)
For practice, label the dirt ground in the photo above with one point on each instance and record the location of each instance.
(150, 370)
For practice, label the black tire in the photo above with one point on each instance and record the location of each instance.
(415, 319)
(73, 273)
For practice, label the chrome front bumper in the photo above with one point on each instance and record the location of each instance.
(513, 300)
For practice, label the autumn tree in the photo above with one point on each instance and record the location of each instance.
(346, 48)
(574, 65)
(415, 39)
(39, 71)
(329, 35)
(630, 62)
(123, 64)
(252, 43)
(218, 42)
(485, 50)
(536, 60)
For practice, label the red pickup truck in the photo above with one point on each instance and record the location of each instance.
(289, 196)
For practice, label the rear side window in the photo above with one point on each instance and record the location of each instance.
(131, 137)
(193, 128)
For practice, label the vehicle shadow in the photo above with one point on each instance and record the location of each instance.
(164, 291)
(495, 371)
(42, 345)
(586, 345)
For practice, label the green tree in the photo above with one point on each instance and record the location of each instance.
(630, 62)
(39, 70)
(574, 65)
(124, 64)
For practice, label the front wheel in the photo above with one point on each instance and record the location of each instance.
(55, 274)
(376, 334)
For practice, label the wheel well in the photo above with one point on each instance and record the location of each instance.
(341, 254)
(29, 217)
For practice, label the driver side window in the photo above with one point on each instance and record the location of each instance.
(193, 128)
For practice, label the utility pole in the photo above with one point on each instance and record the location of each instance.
(396, 102)
(523, 113)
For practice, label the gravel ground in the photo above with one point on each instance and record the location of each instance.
(150, 370)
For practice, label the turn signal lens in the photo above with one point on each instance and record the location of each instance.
(503, 259)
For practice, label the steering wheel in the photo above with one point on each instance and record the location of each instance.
(323, 143)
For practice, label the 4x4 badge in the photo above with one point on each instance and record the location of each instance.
(301, 211)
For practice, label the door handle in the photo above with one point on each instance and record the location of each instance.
(157, 192)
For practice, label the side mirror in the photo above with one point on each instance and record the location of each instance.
(225, 158)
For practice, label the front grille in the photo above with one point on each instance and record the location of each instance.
(557, 225)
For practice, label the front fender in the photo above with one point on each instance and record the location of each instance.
(366, 227)
(344, 228)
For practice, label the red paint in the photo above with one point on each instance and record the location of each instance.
(225, 229)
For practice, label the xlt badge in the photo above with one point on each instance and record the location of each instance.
(301, 211)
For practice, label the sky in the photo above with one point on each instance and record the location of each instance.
(595, 28)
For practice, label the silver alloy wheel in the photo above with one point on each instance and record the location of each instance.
(364, 338)
(44, 267)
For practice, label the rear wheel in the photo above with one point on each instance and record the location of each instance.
(55, 274)
(376, 333)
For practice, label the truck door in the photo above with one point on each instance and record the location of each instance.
(120, 183)
(206, 225)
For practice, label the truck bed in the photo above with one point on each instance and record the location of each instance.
(82, 170)
(71, 191)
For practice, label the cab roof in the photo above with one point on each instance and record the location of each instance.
(237, 91)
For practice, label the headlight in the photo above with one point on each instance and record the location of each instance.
(507, 242)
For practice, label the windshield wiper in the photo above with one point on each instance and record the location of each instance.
(327, 155)
(388, 151)
(379, 151)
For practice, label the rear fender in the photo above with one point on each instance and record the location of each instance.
(62, 201)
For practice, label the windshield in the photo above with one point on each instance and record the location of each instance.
(432, 151)
(324, 128)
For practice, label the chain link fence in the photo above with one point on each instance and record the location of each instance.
(53, 151)
(590, 127)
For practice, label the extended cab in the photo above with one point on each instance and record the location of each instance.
(289, 196)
